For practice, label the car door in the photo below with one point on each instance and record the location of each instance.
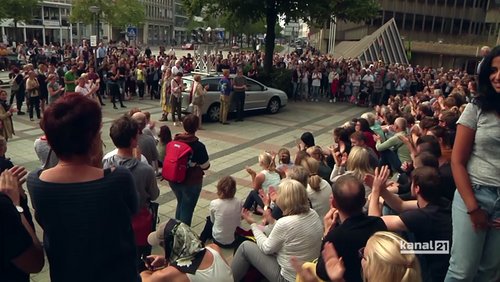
(255, 95)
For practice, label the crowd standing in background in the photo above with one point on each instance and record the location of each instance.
(420, 167)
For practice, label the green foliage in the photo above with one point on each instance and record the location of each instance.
(311, 11)
(18, 10)
(118, 13)
(279, 78)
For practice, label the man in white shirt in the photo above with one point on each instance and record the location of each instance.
(177, 68)
(85, 90)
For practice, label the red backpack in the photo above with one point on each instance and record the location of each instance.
(176, 161)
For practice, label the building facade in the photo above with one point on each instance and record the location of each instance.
(158, 26)
(180, 23)
(447, 33)
(50, 24)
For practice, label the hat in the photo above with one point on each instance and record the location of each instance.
(183, 248)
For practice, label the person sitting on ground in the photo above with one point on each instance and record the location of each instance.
(285, 162)
(347, 227)
(306, 140)
(225, 215)
(186, 258)
(358, 139)
(124, 133)
(297, 233)
(381, 260)
(263, 180)
(318, 189)
(324, 170)
(428, 217)
(393, 151)
(357, 164)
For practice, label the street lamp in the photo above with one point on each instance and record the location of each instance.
(95, 10)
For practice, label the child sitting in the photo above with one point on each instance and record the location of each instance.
(225, 215)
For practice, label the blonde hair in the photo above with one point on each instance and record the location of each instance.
(292, 197)
(384, 261)
(312, 165)
(267, 160)
(359, 162)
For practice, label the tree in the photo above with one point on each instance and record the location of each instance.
(18, 11)
(119, 13)
(315, 12)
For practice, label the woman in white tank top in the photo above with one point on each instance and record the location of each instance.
(268, 177)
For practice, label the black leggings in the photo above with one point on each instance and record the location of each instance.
(114, 90)
(34, 102)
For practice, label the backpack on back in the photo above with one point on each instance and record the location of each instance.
(176, 161)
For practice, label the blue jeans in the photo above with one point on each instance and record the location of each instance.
(475, 256)
(187, 197)
(315, 92)
(295, 90)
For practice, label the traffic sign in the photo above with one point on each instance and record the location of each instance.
(131, 32)
(93, 40)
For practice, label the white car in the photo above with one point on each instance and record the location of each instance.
(258, 97)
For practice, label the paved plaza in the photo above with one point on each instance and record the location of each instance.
(231, 147)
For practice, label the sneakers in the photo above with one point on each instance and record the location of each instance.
(21, 113)
(331, 101)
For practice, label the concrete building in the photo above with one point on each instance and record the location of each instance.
(158, 27)
(180, 23)
(296, 30)
(50, 23)
(447, 33)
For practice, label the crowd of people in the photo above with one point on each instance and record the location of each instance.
(420, 168)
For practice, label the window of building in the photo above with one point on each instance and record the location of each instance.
(438, 24)
(408, 23)
(465, 26)
(399, 17)
(428, 23)
(446, 28)
(419, 21)
(455, 28)
(51, 13)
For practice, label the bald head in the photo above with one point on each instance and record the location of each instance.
(140, 118)
(401, 124)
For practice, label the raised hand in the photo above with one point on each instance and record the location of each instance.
(380, 178)
(334, 265)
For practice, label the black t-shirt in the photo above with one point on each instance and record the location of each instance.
(14, 240)
(194, 175)
(448, 186)
(430, 223)
(348, 238)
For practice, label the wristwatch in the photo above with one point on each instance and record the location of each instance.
(20, 209)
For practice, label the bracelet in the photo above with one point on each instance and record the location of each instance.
(474, 210)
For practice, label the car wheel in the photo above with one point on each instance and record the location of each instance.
(274, 105)
(213, 112)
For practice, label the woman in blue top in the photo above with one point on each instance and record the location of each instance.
(85, 211)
